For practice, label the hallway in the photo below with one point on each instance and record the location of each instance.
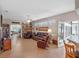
(27, 48)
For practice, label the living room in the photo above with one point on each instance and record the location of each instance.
(38, 29)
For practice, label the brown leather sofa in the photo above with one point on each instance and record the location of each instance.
(38, 35)
(27, 35)
(34, 36)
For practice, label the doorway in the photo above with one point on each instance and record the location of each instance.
(15, 30)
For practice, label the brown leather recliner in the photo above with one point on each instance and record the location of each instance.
(43, 42)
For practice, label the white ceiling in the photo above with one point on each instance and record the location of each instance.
(19, 9)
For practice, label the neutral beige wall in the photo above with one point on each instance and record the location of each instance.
(7, 21)
(0, 20)
(76, 4)
(70, 16)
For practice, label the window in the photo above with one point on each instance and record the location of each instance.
(75, 27)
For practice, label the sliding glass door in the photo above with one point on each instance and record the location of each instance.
(75, 30)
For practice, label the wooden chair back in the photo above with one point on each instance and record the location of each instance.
(69, 49)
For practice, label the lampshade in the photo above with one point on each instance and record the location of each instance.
(49, 30)
(28, 19)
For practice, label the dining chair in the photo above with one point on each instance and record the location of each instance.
(70, 50)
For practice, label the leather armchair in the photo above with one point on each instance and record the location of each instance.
(43, 42)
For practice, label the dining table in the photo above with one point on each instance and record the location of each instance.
(76, 42)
